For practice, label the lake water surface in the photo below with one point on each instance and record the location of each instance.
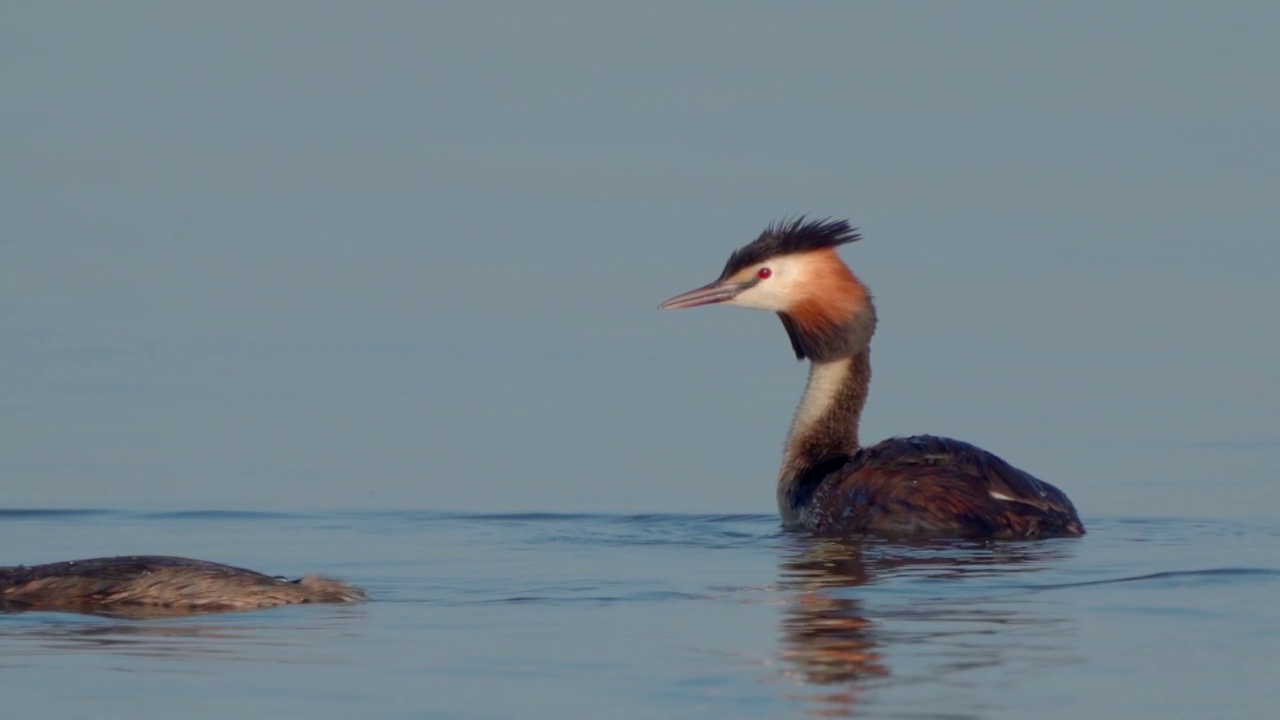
(651, 616)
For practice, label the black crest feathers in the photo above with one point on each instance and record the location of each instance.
(787, 237)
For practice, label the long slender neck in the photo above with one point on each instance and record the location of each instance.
(824, 432)
(830, 321)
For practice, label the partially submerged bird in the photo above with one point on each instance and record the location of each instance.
(830, 483)
(174, 585)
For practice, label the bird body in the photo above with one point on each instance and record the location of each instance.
(928, 485)
(829, 483)
(152, 584)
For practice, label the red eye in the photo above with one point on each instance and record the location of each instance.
(763, 273)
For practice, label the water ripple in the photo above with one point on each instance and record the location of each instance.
(50, 513)
(1201, 577)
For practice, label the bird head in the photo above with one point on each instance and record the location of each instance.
(793, 269)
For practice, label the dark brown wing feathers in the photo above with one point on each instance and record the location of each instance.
(928, 484)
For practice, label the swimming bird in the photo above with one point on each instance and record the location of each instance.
(154, 584)
(829, 482)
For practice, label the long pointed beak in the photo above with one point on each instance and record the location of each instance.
(716, 292)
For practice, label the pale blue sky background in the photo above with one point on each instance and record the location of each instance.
(349, 255)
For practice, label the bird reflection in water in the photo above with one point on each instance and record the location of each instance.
(835, 644)
(174, 636)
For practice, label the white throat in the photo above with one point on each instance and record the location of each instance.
(820, 392)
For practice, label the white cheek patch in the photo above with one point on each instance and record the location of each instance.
(761, 297)
(776, 292)
(1001, 496)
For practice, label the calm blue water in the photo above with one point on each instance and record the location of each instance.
(650, 616)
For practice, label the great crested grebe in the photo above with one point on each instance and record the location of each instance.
(138, 584)
(829, 483)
